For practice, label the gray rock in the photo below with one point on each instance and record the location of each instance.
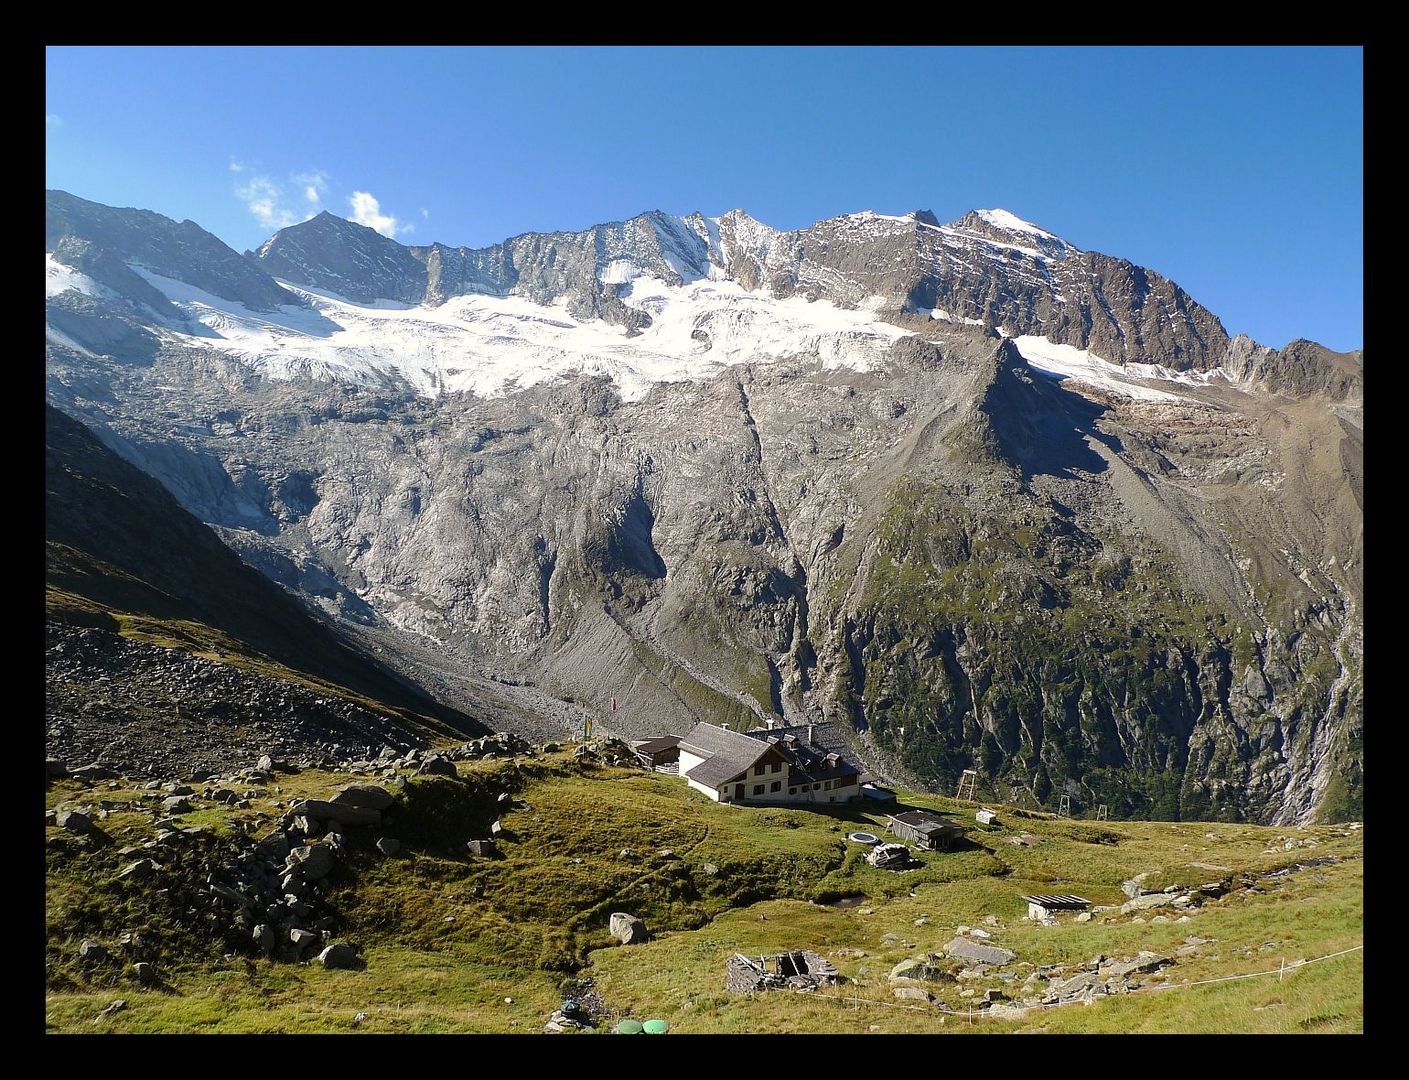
(176, 804)
(919, 970)
(92, 950)
(343, 813)
(1146, 902)
(338, 956)
(314, 861)
(144, 973)
(302, 939)
(54, 769)
(388, 845)
(265, 764)
(265, 938)
(968, 949)
(74, 821)
(369, 796)
(437, 766)
(1000, 1011)
(93, 772)
(912, 993)
(1132, 888)
(627, 929)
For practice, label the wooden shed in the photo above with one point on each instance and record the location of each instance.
(653, 753)
(926, 830)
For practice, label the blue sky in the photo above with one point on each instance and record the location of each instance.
(1236, 172)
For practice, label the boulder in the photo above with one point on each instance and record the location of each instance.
(369, 796)
(144, 973)
(1146, 902)
(968, 949)
(918, 970)
(1006, 1012)
(74, 821)
(343, 813)
(482, 848)
(176, 804)
(314, 860)
(1143, 963)
(437, 766)
(140, 870)
(265, 938)
(92, 950)
(54, 768)
(338, 956)
(912, 993)
(627, 929)
(1132, 888)
(388, 845)
(302, 939)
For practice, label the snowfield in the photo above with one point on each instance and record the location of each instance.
(492, 345)
(1084, 368)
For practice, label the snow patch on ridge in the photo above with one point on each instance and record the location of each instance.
(1003, 219)
(60, 278)
(1082, 367)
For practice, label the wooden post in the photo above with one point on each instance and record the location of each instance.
(1282, 970)
(968, 777)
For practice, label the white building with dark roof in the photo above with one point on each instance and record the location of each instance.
(767, 766)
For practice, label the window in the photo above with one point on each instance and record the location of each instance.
(758, 771)
(792, 791)
(758, 789)
(776, 766)
(777, 785)
(827, 786)
(806, 787)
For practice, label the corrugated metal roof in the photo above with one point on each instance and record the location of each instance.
(1058, 901)
(917, 819)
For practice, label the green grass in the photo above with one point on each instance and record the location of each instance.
(448, 938)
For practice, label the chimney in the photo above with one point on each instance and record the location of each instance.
(724, 726)
(811, 735)
(769, 721)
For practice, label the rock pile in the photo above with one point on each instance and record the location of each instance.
(890, 857)
(801, 970)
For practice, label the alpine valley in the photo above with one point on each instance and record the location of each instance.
(970, 495)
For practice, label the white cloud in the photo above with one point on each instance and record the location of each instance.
(367, 210)
(264, 199)
(426, 214)
(53, 120)
(315, 184)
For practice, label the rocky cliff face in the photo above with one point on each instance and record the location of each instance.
(1147, 598)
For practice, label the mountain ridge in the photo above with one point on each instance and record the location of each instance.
(612, 486)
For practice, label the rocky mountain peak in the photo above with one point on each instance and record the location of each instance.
(329, 252)
(1005, 227)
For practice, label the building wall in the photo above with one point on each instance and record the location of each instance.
(711, 792)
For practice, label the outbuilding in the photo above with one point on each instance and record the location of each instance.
(926, 829)
(1044, 908)
(660, 751)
